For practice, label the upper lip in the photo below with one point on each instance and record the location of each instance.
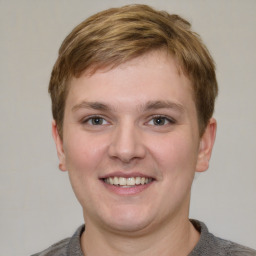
(125, 175)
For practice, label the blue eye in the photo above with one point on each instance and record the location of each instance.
(96, 120)
(160, 121)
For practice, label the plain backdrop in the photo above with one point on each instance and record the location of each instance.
(37, 206)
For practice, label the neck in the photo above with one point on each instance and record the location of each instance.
(177, 238)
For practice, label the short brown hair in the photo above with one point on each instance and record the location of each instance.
(116, 35)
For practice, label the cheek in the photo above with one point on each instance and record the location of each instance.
(83, 153)
(83, 160)
(175, 154)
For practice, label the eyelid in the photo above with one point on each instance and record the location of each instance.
(168, 118)
(85, 120)
(88, 118)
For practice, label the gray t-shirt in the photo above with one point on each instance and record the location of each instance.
(208, 245)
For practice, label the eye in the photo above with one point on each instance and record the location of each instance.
(160, 121)
(95, 120)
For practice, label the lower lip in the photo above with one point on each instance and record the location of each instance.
(121, 190)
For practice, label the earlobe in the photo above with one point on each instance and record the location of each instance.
(59, 146)
(206, 146)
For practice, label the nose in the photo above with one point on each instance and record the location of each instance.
(127, 143)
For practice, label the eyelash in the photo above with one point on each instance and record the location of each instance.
(90, 119)
(168, 119)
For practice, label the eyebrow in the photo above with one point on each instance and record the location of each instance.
(91, 105)
(150, 105)
(159, 104)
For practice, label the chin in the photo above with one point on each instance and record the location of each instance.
(127, 220)
(129, 226)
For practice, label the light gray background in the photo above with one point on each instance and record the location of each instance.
(37, 205)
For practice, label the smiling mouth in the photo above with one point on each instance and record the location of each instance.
(127, 182)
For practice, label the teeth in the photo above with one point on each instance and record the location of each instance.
(131, 181)
(115, 181)
(122, 181)
(137, 180)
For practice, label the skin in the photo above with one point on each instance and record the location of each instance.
(138, 119)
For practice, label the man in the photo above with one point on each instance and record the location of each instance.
(133, 93)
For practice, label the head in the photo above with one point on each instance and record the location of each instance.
(115, 36)
(133, 92)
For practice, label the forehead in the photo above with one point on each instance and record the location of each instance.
(153, 76)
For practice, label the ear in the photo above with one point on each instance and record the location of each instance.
(59, 146)
(206, 146)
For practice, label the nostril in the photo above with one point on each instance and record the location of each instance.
(126, 143)
(127, 153)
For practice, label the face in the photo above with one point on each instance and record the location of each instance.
(131, 144)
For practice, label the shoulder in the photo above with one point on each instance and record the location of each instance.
(57, 249)
(212, 245)
(65, 247)
(234, 249)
